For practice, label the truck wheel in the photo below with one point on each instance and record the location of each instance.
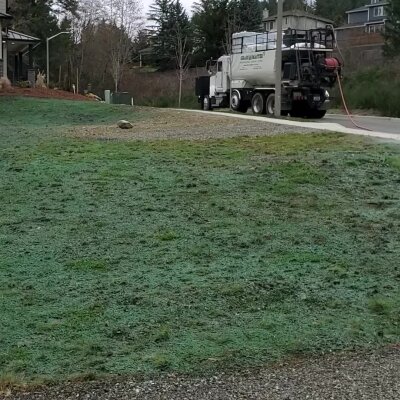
(237, 104)
(206, 103)
(270, 105)
(258, 104)
(235, 100)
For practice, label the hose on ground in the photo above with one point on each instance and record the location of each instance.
(345, 105)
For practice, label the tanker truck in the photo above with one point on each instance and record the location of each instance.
(246, 77)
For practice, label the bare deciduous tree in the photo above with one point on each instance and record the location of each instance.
(182, 53)
(83, 29)
(124, 15)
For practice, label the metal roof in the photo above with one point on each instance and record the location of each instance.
(5, 16)
(353, 25)
(381, 3)
(19, 37)
(358, 9)
(298, 13)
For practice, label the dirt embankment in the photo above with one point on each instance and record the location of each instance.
(43, 93)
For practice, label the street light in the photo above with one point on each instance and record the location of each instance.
(48, 54)
(278, 60)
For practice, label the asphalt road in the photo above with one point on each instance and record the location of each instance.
(379, 124)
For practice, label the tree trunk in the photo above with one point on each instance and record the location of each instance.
(180, 89)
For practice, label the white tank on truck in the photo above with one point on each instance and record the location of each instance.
(250, 60)
(246, 77)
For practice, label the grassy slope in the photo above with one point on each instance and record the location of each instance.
(126, 257)
(373, 88)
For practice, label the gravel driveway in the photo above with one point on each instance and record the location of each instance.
(171, 124)
(367, 375)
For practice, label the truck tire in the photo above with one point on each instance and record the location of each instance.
(258, 104)
(270, 105)
(207, 103)
(237, 104)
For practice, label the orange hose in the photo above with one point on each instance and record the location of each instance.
(345, 105)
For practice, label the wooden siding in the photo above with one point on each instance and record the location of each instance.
(358, 37)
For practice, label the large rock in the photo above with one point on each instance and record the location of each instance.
(124, 124)
(5, 84)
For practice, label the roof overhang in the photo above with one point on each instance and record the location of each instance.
(5, 16)
(340, 28)
(14, 36)
(297, 13)
(357, 10)
(18, 42)
(377, 22)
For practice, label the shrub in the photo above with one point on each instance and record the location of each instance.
(376, 88)
(23, 84)
(160, 89)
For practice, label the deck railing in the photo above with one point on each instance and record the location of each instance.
(247, 42)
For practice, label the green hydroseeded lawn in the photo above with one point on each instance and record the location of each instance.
(137, 257)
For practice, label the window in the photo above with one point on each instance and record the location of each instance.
(219, 66)
(375, 28)
(271, 25)
(380, 28)
(378, 12)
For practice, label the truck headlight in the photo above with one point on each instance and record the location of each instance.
(327, 95)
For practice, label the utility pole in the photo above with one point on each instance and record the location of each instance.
(48, 54)
(278, 60)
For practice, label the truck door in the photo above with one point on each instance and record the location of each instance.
(220, 77)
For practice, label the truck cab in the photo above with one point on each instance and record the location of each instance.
(213, 88)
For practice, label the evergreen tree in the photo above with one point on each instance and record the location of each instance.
(167, 15)
(181, 19)
(33, 17)
(247, 14)
(67, 6)
(270, 5)
(392, 30)
(40, 18)
(290, 5)
(336, 9)
(210, 20)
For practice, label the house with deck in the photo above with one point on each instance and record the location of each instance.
(360, 39)
(371, 17)
(295, 19)
(16, 50)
